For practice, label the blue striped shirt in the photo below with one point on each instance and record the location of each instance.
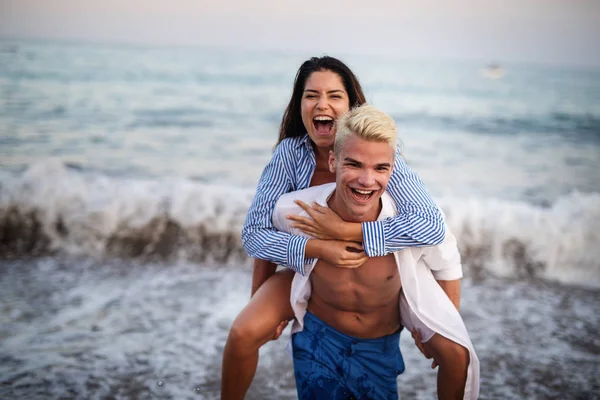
(418, 223)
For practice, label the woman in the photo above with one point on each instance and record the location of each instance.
(324, 89)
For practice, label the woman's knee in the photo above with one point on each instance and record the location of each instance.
(258, 322)
(244, 336)
(254, 327)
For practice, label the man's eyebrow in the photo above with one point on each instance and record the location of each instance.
(352, 160)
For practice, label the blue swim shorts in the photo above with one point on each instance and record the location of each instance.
(330, 365)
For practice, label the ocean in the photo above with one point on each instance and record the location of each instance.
(126, 173)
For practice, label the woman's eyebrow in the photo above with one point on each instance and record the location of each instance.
(329, 91)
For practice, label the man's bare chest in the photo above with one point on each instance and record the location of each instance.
(378, 273)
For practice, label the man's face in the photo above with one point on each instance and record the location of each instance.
(363, 169)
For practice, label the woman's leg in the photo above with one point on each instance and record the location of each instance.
(253, 327)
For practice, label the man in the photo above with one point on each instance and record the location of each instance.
(346, 332)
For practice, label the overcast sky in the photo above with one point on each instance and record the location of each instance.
(543, 31)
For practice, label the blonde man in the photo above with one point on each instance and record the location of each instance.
(347, 321)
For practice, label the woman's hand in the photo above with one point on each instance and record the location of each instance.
(337, 252)
(324, 223)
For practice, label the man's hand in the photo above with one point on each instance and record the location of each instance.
(417, 337)
(322, 223)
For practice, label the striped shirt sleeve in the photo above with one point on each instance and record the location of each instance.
(418, 223)
(259, 237)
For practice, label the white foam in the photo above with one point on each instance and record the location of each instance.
(517, 239)
(80, 213)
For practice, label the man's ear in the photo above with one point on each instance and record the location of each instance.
(331, 161)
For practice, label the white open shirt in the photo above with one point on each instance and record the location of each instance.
(418, 267)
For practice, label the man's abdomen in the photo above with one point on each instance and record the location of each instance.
(361, 302)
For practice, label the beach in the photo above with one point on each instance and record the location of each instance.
(125, 177)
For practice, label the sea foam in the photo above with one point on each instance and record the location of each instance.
(52, 208)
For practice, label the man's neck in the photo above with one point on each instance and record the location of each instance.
(337, 205)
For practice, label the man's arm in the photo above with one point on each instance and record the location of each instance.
(444, 260)
(445, 265)
(452, 290)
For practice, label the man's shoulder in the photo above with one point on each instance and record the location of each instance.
(388, 207)
(286, 205)
(313, 193)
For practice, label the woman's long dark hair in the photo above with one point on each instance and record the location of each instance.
(291, 123)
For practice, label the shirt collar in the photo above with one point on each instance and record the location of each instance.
(305, 141)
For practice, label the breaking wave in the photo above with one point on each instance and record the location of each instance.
(52, 208)
(523, 241)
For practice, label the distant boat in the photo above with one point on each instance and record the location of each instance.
(493, 71)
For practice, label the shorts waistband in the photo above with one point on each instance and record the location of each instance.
(314, 324)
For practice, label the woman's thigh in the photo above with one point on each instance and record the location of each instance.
(268, 307)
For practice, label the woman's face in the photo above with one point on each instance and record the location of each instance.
(324, 99)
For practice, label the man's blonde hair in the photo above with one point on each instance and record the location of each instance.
(368, 123)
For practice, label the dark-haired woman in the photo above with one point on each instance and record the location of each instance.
(324, 89)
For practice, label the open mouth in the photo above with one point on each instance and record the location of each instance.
(361, 196)
(323, 125)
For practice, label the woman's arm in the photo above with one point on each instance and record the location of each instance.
(259, 238)
(418, 223)
(262, 240)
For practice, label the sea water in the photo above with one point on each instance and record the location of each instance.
(126, 173)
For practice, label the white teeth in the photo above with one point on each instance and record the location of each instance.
(323, 118)
(364, 191)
